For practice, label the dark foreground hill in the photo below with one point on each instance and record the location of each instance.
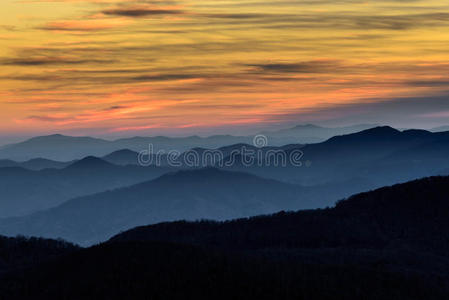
(160, 271)
(391, 243)
(19, 253)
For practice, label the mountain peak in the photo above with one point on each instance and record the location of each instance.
(381, 130)
(417, 132)
(89, 162)
(307, 126)
(56, 136)
(122, 152)
(59, 138)
(122, 157)
(209, 174)
(376, 132)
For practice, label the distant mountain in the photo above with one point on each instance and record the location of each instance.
(26, 191)
(90, 163)
(309, 133)
(348, 163)
(440, 128)
(42, 163)
(34, 164)
(122, 157)
(192, 195)
(7, 163)
(55, 147)
(192, 158)
(67, 148)
(380, 156)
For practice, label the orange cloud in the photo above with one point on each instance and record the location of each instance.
(85, 25)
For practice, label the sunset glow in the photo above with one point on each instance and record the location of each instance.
(146, 67)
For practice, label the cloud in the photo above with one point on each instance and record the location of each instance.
(310, 58)
(316, 66)
(394, 22)
(116, 107)
(42, 61)
(165, 77)
(429, 83)
(67, 78)
(46, 119)
(240, 16)
(88, 1)
(141, 11)
(84, 25)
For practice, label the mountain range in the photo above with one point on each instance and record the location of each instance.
(378, 156)
(191, 195)
(329, 171)
(35, 164)
(67, 148)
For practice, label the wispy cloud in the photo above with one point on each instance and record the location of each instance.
(85, 25)
(317, 66)
(42, 61)
(141, 11)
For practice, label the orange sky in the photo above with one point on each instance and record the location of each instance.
(110, 67)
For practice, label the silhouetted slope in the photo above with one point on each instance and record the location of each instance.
(198, 194)
(26, 191)
(19, 253)
(367, 145)
(122, 157)
(168, 271)
(7, 163)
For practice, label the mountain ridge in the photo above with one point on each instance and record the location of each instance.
(65, 148)
(189, 194)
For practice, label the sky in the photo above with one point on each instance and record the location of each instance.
(146, 67)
